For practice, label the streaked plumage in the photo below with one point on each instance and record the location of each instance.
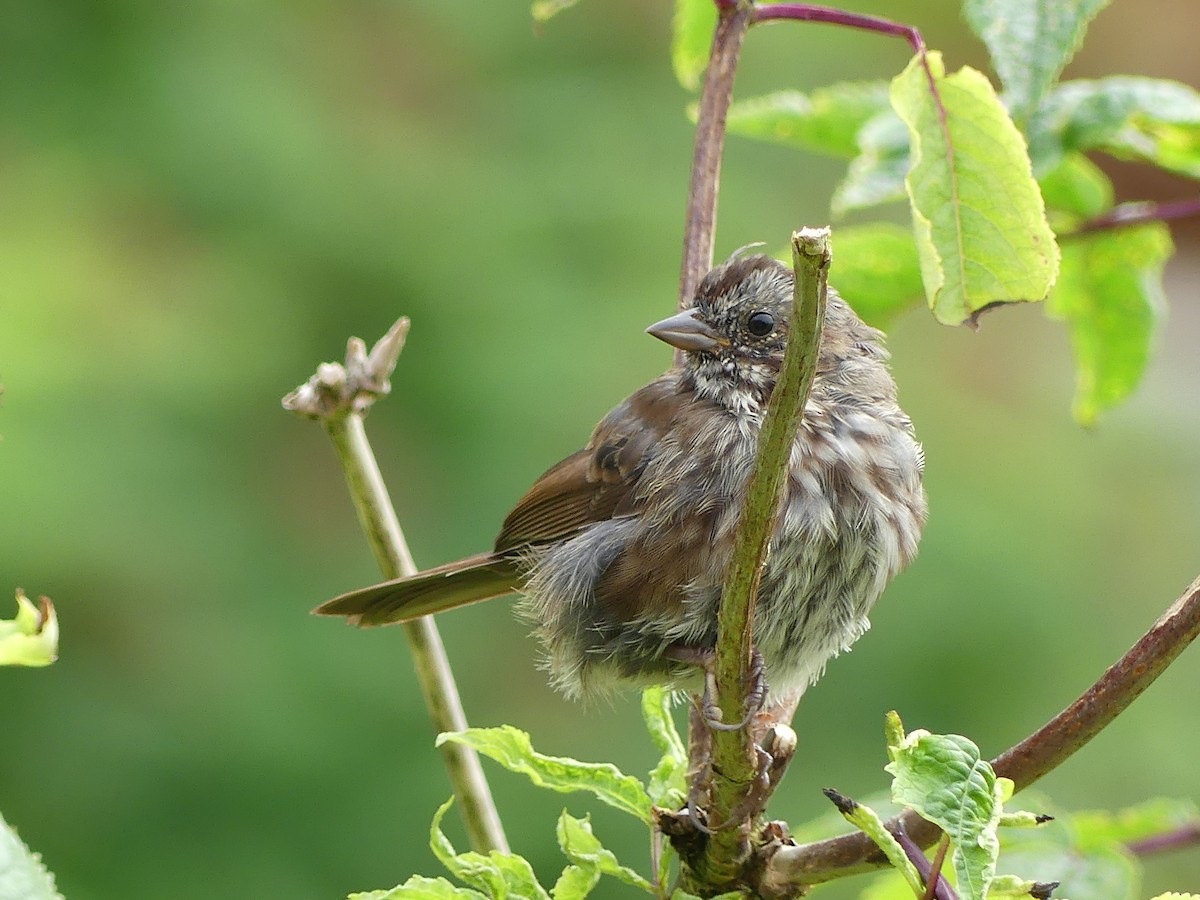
(620, 549)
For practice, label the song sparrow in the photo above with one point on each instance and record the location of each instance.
(621, 548)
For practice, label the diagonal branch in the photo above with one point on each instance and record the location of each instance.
(1024, 763)
(339, 396)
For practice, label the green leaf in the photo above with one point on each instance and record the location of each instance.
(1135, 823)
(497, 874)
(511, 748)
(574, 883)
(1110, 295)
(419, 887)
(544, 10)
(944, 778)
(877, 174)
(668, 779)
(1174, 896)
(1030, 41)
(977, 212)
(1075, 190)
(31, 637)
(1110, 874)
(1133, 118)
(826, 121)
(584, 849)
(691, 39)
(22, 875)
(877, 271)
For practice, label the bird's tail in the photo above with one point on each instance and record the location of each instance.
(455, 584)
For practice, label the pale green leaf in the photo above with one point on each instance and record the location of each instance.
(668, 779)
(574, 883)
(1174, 896)
(876, 271)
(876, 175)
(31, 637)
(1134, 118)
(1110, 294)
(1110, 874)
(1075, 190)
(1030, 41)
(419, 887)
(544, 10)
(511, 748)
(584, 849)
(22, 875)
(498, 875)
(1134, 823)
(944, 778)
(980, 222)
(826, 121)
(691, 39)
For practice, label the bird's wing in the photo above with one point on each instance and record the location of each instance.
(598, 482)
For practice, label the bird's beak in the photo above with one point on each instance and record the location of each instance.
(686, 331)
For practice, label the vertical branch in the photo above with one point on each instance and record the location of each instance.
(735, 759)
(339, 397)
(701, 223)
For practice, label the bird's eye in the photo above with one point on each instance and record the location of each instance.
(760, 324)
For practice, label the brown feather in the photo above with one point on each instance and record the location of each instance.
(471, 580)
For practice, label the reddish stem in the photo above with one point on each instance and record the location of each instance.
(1128, 214)
(1029, 760)
(701, 225)
(807, 12)
(1186, 836)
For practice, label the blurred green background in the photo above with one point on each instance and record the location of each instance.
(199, 202)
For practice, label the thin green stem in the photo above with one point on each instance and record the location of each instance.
(378, 519)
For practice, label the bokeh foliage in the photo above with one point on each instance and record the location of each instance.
(200, 202)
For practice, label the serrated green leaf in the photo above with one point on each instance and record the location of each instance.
(1135, 823)
(826, 121)
(512, 749)
(980, 222)
(878, 272)
(498, 875)
(1075, 190)
(584, 849)
(1133, 118)
(1030, 42)
(944, 778)
(877, 174)
(420, 888)
(543, 10)
(668, 779)
(691, 39)
(1110, 295)
(22, 875)
(31, 637)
